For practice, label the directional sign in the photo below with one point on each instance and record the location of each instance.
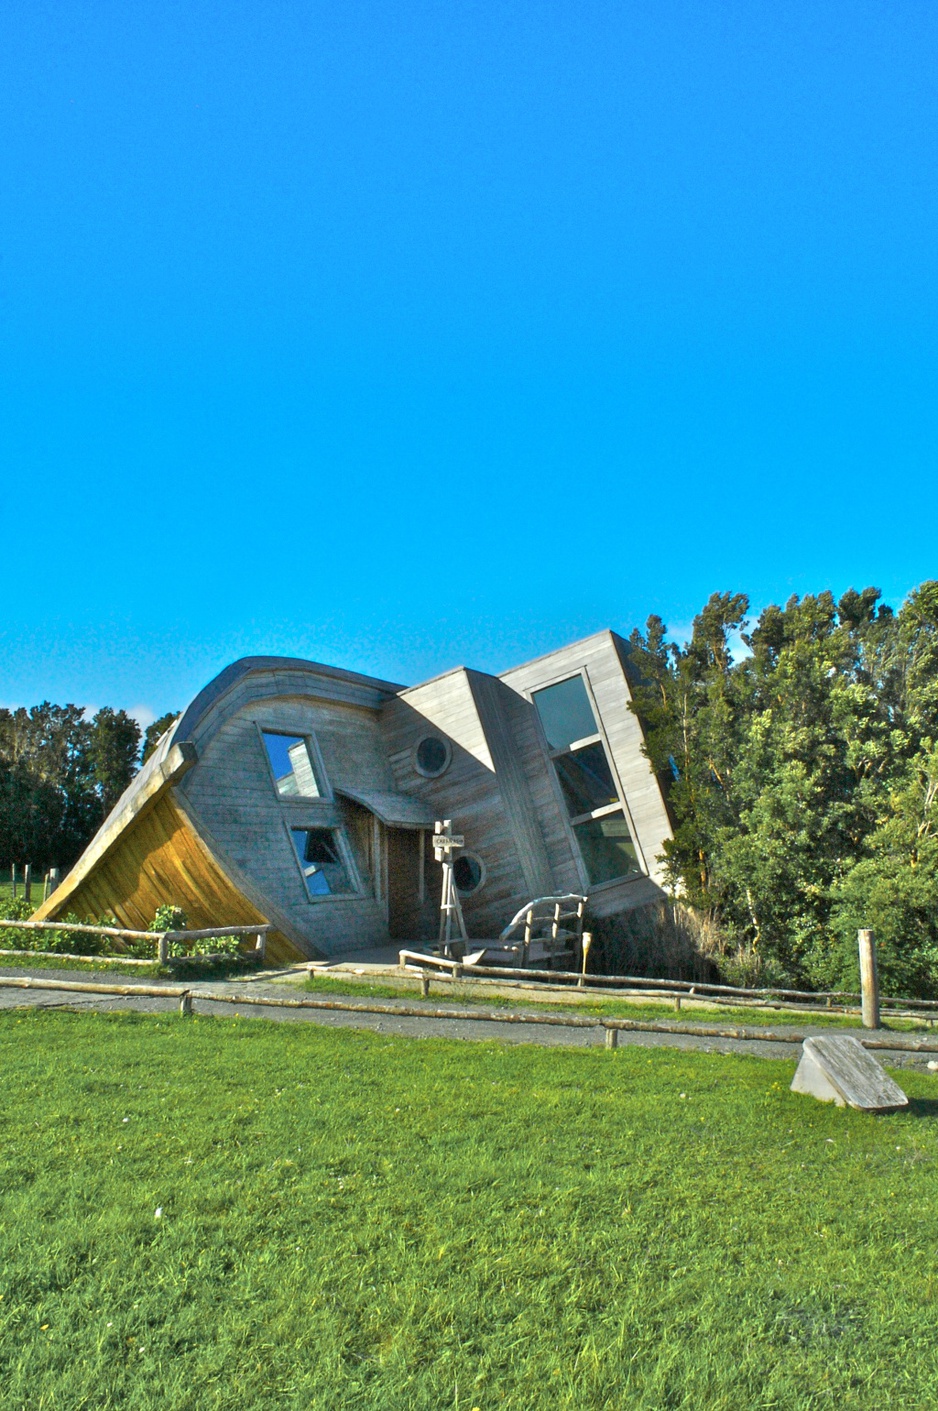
(443, 840)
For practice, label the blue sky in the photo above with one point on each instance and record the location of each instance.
(399, 336)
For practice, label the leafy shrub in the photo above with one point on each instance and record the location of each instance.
(16, 909)
(173, 918)
(169, 918)
(62, 942)
(67, 942)
(217, 945)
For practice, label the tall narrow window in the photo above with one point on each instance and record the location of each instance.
(292, 764)
(321, 860)
(586, 781)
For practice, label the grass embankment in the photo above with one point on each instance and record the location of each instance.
(225, 1214)
(691, 1012)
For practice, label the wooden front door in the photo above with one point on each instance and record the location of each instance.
(404, 889)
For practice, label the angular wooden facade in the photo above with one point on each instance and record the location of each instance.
(303, 795)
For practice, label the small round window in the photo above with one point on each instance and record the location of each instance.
(468, 873)
(432, 756)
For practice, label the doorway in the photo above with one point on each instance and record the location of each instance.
(407, 892)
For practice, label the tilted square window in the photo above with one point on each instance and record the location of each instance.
(291, 762)
(321, 860)
(606, 848)
(566, 713)
(586, 779)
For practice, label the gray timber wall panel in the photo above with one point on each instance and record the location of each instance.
(496, 705)
(545, 796)
(600, 657)
(468, 792)
(231, 789)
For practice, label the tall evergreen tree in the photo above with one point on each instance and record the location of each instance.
(114, 750)
(800, 777)
(155, 731)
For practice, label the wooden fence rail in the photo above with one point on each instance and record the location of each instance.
(426, 965)
(610, 1027)
(162, 939)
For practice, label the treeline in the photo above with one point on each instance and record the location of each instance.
(800, 761)
(60, 776)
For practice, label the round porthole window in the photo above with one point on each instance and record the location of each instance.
(432, 756)
(468, 873)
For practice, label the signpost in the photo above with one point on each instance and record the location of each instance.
(445, 844)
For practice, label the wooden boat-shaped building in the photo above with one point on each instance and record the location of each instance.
(304, 796)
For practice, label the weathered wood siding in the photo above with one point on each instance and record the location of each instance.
(159, 860)
(233, 794)
(468, 792)
(203, 825)
(600, 658)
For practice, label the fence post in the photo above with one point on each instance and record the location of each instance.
(585, 943)
(869, 980)
(260, 946)
(27, 883)
(163, 953)
(612, 1038)
(185, 1003)
(13, 877)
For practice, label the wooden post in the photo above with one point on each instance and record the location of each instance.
(677, 1003)
(13, 877)
(27, 883)
(260, 946)
(425, 985)
(163, 951)
(185, 1004)
(422, 874)
(586, 942)
(612, 1038)
(869, 980)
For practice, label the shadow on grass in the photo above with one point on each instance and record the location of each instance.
(923, 1107)
(208, 967)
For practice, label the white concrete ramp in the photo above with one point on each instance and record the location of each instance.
(837, 1068)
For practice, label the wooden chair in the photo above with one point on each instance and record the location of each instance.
(544, 931)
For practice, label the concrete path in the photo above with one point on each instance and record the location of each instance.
(433, 1025)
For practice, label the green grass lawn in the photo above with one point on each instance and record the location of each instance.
(6, 888)
(27, 960)
(238, 1214)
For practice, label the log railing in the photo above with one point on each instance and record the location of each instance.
(610, 1028)
(442, 968)
(162, 939)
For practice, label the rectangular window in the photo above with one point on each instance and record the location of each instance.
(586, 781)
(566, 713)
(292, 764)
(321, 861)
(606, 848)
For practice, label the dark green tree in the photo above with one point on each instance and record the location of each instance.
(49, 802)
(797, 776)
(114, 749)
(153, 733)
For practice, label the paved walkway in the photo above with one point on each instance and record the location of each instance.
(433, 1024)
